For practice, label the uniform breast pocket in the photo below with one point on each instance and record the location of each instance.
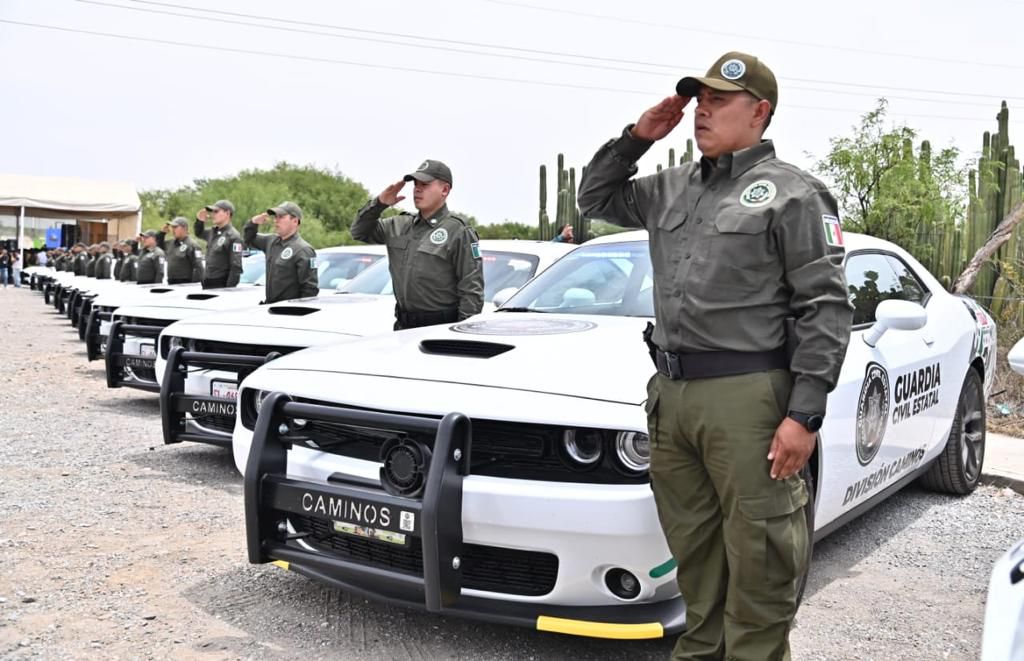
(739, 260)
(398, 244)
(666, 239)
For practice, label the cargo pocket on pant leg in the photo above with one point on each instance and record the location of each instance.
(773, 542)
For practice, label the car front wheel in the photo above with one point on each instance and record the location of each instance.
(958, 469)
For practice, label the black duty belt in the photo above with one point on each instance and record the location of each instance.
(416, 319)
(718, 363)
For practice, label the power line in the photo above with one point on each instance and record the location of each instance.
(736, 35)
(601, 67)
(674, 69)
(387, 67)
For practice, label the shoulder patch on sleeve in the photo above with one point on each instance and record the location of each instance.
(236, 247)
(312, 262)
(475, 247)
(833, 230)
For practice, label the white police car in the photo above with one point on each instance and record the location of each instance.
(497, 468)
(210, 353)
(131, 348)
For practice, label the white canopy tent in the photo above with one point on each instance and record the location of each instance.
(115, 203)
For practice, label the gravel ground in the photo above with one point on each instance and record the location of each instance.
(115, 546)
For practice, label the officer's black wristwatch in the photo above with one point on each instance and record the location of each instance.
(811, 421)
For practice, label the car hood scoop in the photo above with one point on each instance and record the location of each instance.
(292, 310)
(467, 348)
(201, 297)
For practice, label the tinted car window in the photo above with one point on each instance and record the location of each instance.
(913, 289)
(253, 267)
(335, 268)
(610, 278)
(871, 280)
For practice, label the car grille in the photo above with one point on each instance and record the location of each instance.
(490, 568)
(143, 373)
(224, 423)
(229, 348)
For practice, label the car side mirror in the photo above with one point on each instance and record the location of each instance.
(1016, 357)
(503, 295)
(895, 315)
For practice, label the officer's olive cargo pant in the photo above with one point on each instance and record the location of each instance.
(740, 538)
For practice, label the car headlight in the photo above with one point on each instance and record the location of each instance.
(633, 450)
(583, 446)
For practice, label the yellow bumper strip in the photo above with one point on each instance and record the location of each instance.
(280, 563)
(600, 629)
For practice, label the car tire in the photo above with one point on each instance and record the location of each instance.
(958, 469)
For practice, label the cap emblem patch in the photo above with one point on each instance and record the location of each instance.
(733, 69)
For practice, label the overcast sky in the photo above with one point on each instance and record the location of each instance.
(317, 85)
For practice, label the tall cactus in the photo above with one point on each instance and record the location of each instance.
(544, 223)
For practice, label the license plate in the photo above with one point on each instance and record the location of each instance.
(147, 350)
(224, 390)
(370, 533)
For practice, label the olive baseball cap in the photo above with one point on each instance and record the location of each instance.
(286, 209)
(430, 170)
(735, 72)
(179, 222)
(152, 234)
(221, 204)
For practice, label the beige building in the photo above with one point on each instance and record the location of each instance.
(81, 209)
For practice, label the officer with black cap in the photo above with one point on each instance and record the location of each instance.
(130, 264)
(434, 255)
(184, 257)
(223, 245)
(104, 262)
(291, 262)
(740, 242)
(152, 261)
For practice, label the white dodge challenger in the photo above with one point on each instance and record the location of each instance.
(497, 468)
(208, 354)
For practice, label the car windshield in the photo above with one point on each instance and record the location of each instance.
(337, 268)
(608, 278)
(253, 267)
(501, 270)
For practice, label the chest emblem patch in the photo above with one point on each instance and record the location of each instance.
(182, 248)
(733, 69)
(439, 236)
(221, 240)
(758, 194)
(286, 253)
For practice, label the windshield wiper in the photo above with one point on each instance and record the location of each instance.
(520, 310)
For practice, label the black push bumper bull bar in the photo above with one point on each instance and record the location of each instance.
(436, 517)
(93, 338)
(174, 403)
(117, 361)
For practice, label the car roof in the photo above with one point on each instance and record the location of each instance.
(852, 240)
(363, 249)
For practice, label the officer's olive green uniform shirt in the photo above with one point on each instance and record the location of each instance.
(291, 264)
(150, 267)
(223, 252)
(736, 247)
(118, 262)
(184, 260)
(90, 267)
(435, 263)
(104, 264)
(79, 262)
(129, 268)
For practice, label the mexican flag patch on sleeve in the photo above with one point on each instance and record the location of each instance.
(833, 230)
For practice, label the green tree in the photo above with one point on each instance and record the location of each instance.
(888, 189)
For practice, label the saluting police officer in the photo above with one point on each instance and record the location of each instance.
(291, 262)
(90, 265)
(152, 261)
(130, 265)
(104, 262)
(118, 260)
(223, 245)
(80, 259)
(739, 242)
(184, 257)
(434, 255)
